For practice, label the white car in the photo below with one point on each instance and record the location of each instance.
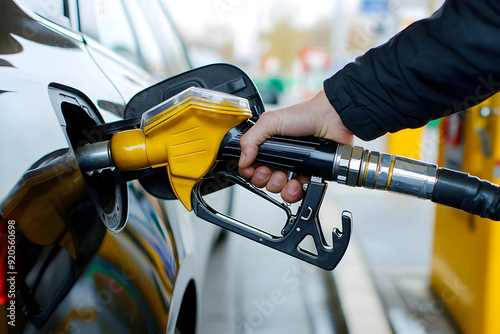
(71, 73)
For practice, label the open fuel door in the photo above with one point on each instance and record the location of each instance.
(221, 77)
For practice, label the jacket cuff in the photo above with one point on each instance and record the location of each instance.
(354, 117)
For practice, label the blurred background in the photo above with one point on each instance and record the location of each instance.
(291, 46)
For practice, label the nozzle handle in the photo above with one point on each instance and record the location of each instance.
(298, 155)
(305, 223)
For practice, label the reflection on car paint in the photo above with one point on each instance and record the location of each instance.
(29, 30)
(56, 237)
(5, 63)
(60, 236)
(46, 194)
(148, 255)
(159, 235)
(73, 275)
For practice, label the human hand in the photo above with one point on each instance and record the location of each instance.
(315, 117)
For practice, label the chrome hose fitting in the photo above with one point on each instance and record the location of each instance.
(94, 156)
(357, 167)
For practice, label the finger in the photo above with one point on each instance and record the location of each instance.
(261, 176)
(276, 182)
(256, 135)
(249, 151)
(292, 192)
(303, 179)
(247, 172)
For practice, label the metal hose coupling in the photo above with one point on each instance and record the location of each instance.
(95, 156)
(357, 167)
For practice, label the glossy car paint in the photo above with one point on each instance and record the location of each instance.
(95, 280)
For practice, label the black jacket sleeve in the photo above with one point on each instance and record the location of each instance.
(435, 67)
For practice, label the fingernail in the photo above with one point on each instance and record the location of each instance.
(242, 159)
(278, 181)
(293, 188)
(261, 174)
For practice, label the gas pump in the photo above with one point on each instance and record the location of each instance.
(466, 254)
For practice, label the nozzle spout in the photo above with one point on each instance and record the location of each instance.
(94, 156)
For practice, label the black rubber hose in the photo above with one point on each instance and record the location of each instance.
(468, 193)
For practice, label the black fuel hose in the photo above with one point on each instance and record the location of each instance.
(463, 191)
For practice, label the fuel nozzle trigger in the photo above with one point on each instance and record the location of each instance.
(297, 228)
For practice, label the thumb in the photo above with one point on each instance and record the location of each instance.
(263, 129)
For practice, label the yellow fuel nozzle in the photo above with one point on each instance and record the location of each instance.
(182, 134)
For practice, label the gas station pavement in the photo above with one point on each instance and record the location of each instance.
(393, 236)
(380, 286)
(260, 290)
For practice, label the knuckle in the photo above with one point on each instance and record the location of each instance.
(244, 140)
(267, 118)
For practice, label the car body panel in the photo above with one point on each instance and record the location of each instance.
(75, 275)
(62, 59)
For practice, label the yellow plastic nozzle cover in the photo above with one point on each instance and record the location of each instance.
(183, 134)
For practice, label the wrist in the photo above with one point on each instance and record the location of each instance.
(330, 123)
